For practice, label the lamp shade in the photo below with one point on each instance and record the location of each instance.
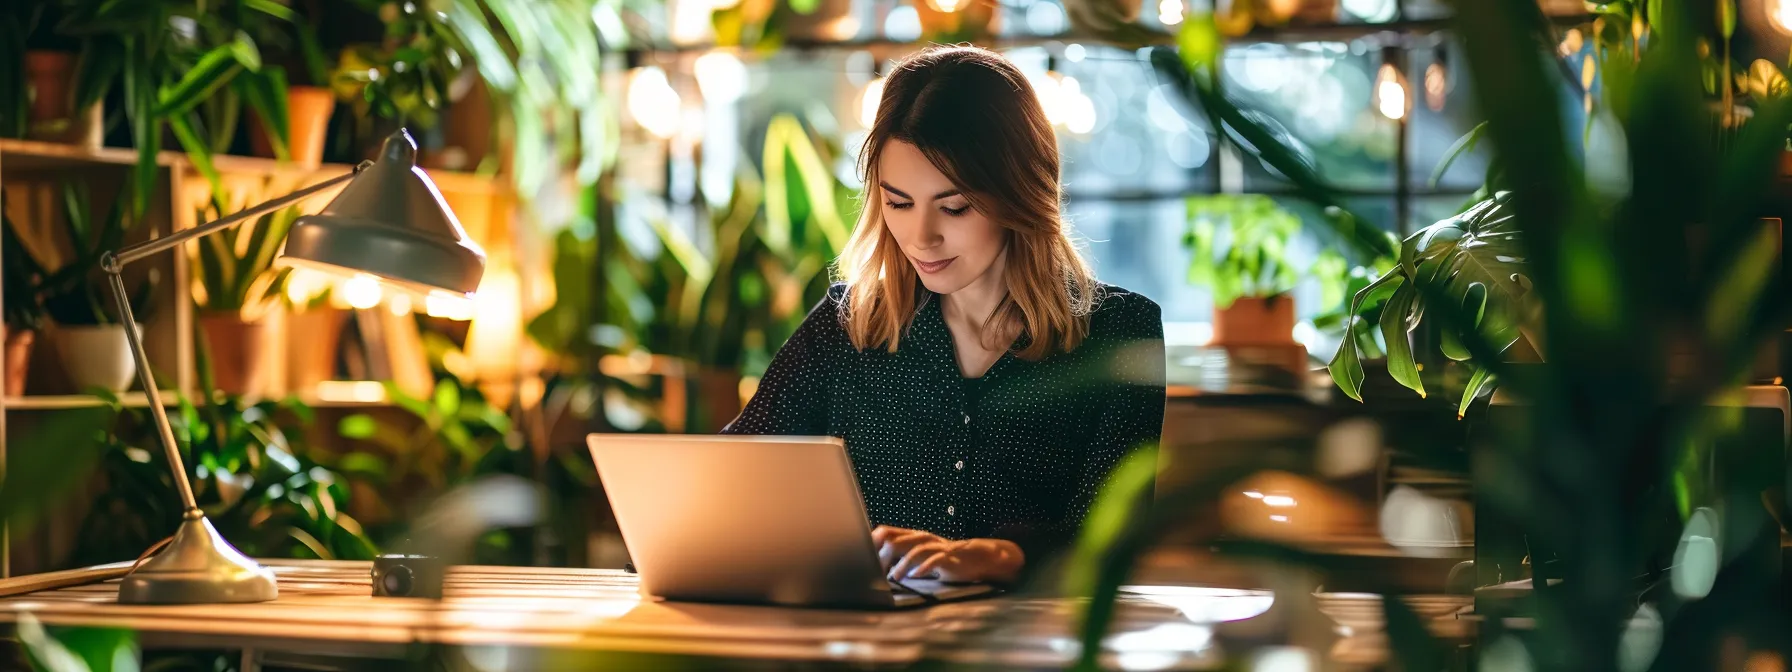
(390, 222)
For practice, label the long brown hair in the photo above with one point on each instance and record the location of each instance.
(975, 117)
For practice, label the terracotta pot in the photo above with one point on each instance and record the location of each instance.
(832, 21)
(717, 402)
(96, 355)
(239, 353)
(18, 359)
(1255, 321)
(958, 20)
(308, 111)
(50, 74)
(314, 339)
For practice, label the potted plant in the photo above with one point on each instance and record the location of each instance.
(951, 21)
(251, 473)
(1475, 260)
(724, 314)
(1239, 249)
(24, 310)
(235, 285)
(91, 344)
(293, 117)
(536, 73)
(37, 77)
(312, 359)
(187, 68)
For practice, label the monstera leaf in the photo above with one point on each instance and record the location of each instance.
(1475, 260)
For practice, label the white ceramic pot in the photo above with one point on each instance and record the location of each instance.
(97, 356)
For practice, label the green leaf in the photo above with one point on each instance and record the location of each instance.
(466, 16)
(1739, 287)
(1474, 260)
(243, 49)
(1394, 335)
(1198, 41)
(779, 208)
(1452, 345)
(805, 7)
(214, 70)
(1346, 366)
(199, 152)
(1482, 380)
(101, 61)
(265, 92)
(1463, 145)
(215, 275)
(146, 132)
(447, 398)
(37, 480)
(357, 426)
(274, 9)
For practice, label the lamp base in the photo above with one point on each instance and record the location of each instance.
(198, 567)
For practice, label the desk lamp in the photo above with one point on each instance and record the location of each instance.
(389, 223)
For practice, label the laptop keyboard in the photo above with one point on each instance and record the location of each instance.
(902, 589)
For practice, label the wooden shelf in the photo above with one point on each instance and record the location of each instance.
(63, 402)
(38, 155)
(54, 402)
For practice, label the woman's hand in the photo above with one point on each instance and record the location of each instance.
(908, 554)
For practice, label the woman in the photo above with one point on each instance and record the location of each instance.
(984, 382)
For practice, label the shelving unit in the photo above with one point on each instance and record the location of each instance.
(29, 173)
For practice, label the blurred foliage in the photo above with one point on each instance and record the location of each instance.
(24, 306)
(447, 440)
(1476, 261)
(187, 67)
(233, 270)
(74, 290)
(540, 61)
(1645, 338)
(78, 649)
(735, 290)
(250, 474)
(1239, 247)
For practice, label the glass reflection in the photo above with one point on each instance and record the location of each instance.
(1202, 605)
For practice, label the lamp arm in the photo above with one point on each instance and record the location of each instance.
(189, 507)
(113, 264)
(156, 245)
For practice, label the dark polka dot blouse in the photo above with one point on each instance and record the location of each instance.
(1018, 454)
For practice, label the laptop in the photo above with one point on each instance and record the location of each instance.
(751, 519)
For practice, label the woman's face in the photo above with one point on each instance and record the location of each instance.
(948, 242)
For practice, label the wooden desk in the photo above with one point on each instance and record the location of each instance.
(541, 618)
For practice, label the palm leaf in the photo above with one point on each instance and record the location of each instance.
(214, 70)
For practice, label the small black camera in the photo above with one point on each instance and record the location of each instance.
(407, 576)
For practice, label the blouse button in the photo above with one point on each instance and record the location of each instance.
(951, 510)
(959, 465)
(967, 418)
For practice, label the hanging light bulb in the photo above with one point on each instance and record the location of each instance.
(721, 77)
(1779, 13)
(1437, 81)
(361, 292)
(869, 101)
(690, 22)
(1078, 109)
(1390, 86)
(1169, 12)
(1047, 90)
(946, 6)
(652, 101)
